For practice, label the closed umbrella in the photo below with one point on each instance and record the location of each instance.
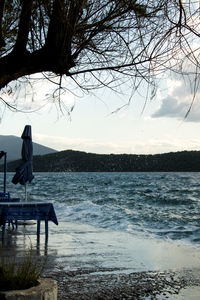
(24, 173)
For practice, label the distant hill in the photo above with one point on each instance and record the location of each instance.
(77, 161)
(13, 144)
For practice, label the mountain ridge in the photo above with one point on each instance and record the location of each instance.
(13, 144)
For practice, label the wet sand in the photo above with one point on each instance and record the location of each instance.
(91, 263)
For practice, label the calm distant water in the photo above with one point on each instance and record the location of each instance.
(157, 205)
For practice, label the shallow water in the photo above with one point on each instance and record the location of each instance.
(74, 246)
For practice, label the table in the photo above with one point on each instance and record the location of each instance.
(15, 211)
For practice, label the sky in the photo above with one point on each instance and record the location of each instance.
(96, 125)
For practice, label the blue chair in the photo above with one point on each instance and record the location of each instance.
(4, 197)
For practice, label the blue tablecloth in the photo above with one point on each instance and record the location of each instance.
(27, 211)
(14, 211)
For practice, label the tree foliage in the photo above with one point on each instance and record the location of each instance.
(98, 43)
(77, 161)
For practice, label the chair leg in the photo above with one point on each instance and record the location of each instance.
(3, 232)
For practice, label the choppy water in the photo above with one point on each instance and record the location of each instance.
(158, 205)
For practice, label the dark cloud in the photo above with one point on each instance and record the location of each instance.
(170, 107)
(179, 100)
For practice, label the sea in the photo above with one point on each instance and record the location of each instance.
(164, 206)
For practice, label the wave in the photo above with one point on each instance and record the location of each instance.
(162, 205)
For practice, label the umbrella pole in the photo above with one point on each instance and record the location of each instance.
(26, 191)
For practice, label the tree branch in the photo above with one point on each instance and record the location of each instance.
(60, 33)
(121, 38)
(2, 42)
(23, 31)
(14, 66)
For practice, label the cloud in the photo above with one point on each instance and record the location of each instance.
(171, 107)
(168, 144)
(150, 146)
(180, 100)
(81, 144)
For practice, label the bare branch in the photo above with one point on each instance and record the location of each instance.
(98, 43)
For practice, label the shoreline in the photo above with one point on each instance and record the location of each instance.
(93, 263)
